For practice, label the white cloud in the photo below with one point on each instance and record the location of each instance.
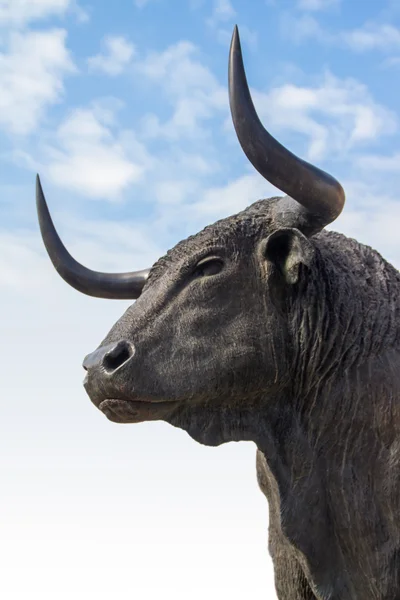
(179, 178)
(189, 202)
(223, 10)
(381, 163)
(118, 54)
(305, 27)
(177, 68)
(336, 115)
(186, 121)
(191, 87)
(218, 202)
(371, 36)
(371, 216)
(393, 61)
(18, 12)
(173, 191)
(88, 158)
(316, 5)
(31, 77)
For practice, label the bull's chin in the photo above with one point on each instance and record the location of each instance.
(135, 411)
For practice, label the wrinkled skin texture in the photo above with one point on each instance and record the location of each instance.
(295, 345)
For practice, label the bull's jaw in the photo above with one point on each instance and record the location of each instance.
(213, 425)
(136, 411)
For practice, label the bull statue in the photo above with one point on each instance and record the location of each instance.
(264, 327)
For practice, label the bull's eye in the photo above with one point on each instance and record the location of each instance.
(207, 267)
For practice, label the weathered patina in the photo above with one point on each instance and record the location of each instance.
(266, 327)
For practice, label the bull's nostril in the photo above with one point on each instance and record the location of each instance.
(117, 356)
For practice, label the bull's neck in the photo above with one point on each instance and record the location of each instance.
(347, 316)
(336, 471)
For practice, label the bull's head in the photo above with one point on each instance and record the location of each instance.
(210, 326)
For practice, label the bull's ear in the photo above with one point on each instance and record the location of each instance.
(287, 249)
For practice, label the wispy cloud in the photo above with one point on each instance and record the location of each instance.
(219, 201)
(371, 36)
(392, 61)
(372, 216)
(378, 162)
(17, 13)
(317, 5)
(32, 70)
(223, 11)
(189, 85)
(116, 57)
(336, 116)
(304, 27)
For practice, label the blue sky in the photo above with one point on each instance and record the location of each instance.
(139, 92)
(123, 109)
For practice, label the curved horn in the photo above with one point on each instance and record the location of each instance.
(314, 189)
(123, 286)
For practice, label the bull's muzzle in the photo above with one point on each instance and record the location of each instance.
(110, 358)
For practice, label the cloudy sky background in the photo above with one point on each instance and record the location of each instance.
(122, 108)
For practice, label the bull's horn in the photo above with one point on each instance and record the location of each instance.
(318, 192)
(124, 286)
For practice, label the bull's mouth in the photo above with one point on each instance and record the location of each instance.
(135, 411)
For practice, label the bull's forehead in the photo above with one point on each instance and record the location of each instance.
(237, 231)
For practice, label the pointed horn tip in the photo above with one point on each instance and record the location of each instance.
(235, 43)
(236, 46)
(39, 191)
(41, 204)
